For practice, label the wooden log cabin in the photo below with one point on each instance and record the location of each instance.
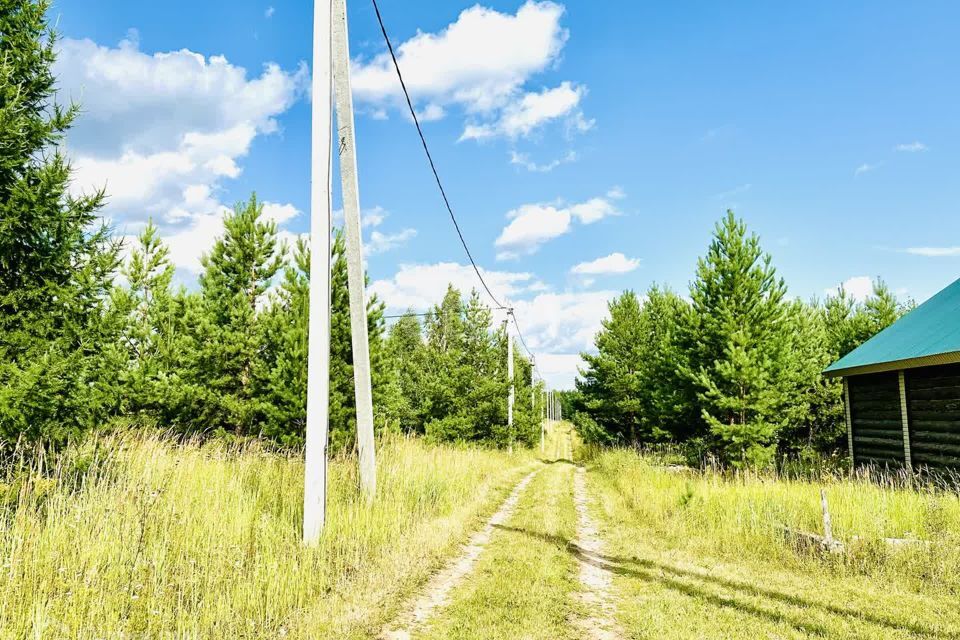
(902, 389)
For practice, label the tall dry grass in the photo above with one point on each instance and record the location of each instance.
(740, 516)
(137, 536)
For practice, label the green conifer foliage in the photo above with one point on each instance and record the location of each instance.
(55, 264)
(150, 344)
(231, 338)
(740, 356)
(281, 371)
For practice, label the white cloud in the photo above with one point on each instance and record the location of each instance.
(269, 12)
(523, 160)
(279, 213)
(531, 111)
(419, 286)
(372, 217)
(162, 132)
(531, 225)
(911, 147)
(430, 113)
(933, 252)
(858, 287)
(562, 322)
(616, 193)
(593, 210)
(479, 63)
(612, 264)
(559, 369)
(556, 326)
(480, 60)
(381, 242)
(865, 168)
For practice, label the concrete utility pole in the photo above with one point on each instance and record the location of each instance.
(318, 358)
(346, 143)
(533, 401)
(510, 394)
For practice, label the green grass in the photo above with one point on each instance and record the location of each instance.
(521, 586)
(701, 555)
(135, 536)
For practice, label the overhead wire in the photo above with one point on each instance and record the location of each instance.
(433, 167)
(520, 334)
(446, 201)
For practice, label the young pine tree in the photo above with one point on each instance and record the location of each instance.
(405, 362)
(234, 282)
(739, 360)
(280, 375)
(55, 264)
(612, 383)
(152, 326)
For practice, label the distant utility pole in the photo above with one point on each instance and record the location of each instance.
(346, 143)
(318, 358)
(533, 401)
(510, 394)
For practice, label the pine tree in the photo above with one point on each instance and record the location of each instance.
(281, 371)
(149, 345)
(814, 412)
(465, 374)
(405, 363)
(739, 356)
(666, 394)
(611, 383)
(55, 264)
(237, 273)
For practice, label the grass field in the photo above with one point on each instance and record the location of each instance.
(138, 537)
(527, 571)
(701, 555)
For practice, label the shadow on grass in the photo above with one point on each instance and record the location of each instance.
(676, 578)
(556, 461)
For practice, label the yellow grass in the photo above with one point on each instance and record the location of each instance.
(701, 555)
(134, 536)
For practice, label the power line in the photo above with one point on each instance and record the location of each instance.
(426, 149)
(520, 334)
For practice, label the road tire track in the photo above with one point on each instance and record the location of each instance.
(436, 594)
(596, 579)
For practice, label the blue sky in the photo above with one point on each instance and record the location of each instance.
(586, 147)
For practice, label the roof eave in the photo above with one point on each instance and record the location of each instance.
(950, 357)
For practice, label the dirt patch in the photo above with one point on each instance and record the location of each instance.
(595, 576)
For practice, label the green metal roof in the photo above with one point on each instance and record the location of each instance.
(930, 334)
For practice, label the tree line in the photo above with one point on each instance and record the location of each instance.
(88, 337)
(734, 369)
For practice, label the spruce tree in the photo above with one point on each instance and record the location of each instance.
(739, 357)
(55, 262)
